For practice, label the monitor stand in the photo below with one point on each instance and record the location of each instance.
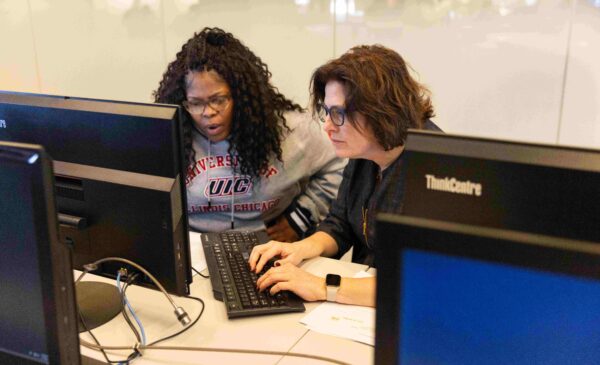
(97, 302)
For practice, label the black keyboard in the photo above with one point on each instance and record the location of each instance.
(232, 281)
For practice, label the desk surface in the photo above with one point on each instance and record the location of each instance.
(281, 332)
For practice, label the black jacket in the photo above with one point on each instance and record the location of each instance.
(363, 193)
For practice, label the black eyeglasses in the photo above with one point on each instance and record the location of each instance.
(216, 103)
(337, 115)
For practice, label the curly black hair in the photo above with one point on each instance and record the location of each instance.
(258, 125)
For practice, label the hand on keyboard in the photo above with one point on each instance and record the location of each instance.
(290, 277)
(227, 255)
(261, 254)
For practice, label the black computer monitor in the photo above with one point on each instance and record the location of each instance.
(119, 180)
(449, 293)
(548, 189)
(37, 307)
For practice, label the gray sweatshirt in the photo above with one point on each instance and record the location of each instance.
(302, 187)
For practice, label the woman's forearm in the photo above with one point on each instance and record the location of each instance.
(318, 244)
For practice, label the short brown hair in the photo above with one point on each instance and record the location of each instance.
(378, 85)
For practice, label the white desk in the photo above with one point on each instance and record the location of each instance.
(315, 343)
(281, 332)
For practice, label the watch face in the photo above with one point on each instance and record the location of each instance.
(333, 280)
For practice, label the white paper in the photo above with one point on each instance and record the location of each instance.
(347, 321)
(197, 252)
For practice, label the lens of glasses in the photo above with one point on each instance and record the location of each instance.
(218, 102)
(198, 107)
(337, 117)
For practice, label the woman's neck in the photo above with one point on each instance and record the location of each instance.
(386, 158)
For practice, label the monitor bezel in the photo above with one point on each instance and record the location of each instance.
(55, 270)
(521, 152)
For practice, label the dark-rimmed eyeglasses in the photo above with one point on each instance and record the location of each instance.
(216, 103)
(337, 115)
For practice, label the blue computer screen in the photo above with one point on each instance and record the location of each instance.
(465, 311)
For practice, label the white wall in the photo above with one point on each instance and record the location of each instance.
(580, 118)
(513, 69)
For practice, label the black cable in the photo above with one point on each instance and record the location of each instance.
(225, 350)
(85, 327)
(186, 328)
(96, 340)
(201, 274)
(182, 316)
(136, 354)
(130, 280)
(246, 351)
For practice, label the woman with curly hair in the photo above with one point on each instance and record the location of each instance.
(367, 100)
(255, 160)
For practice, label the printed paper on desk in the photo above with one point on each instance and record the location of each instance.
(197, 252)
(348, 321)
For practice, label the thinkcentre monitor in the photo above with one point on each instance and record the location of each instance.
(118, 170)
(456, 294)
(548, 189)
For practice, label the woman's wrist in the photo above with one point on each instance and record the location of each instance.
(322, 289)
(308, 248)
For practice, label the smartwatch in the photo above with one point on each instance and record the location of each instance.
(333, 285)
